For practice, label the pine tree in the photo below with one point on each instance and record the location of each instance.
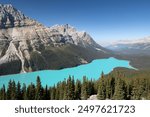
(46, 94)
(65, 96)
(53, 93)
(112, 84)
(57, 94)
(135, 90)
(9, 90)
(108, 89)
(101, 89)
(13, 91)
(84, 93)
(73, 88)
(31, 92)
(18, 92)
(128, 92)
(139, 89)
(96, 85)
(38, 94)
(119, 90)
(142, 88)
(90, 88)
(62, 90)
(3, 93)
(70, 88)
(78, 90)
(24, 92)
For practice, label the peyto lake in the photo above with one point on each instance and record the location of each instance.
(50, 77)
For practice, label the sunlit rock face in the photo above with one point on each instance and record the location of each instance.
(27, 45)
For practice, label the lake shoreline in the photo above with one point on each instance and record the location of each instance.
(91, 70)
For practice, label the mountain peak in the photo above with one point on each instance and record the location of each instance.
(79, 37)
(64, 26)
(11, 17)
(8, 9)
(6, 5)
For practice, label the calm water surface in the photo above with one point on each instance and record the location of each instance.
(50, 77)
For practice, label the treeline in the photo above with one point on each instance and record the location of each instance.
(66, 90)
(115, 86)
(120, 86)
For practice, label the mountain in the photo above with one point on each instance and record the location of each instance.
(139, 46)
(26, 45)
(11, 17)
(78, 38)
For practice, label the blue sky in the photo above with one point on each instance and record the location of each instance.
(104, 20)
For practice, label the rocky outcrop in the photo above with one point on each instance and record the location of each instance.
(92, 97)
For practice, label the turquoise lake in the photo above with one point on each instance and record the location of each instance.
(50, 77)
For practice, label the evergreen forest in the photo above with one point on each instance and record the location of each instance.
(121, 84)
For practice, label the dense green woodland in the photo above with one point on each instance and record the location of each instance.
(121, 84)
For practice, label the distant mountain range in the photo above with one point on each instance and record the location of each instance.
(139, 46)
(26, 45)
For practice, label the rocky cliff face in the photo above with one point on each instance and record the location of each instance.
(26, 45)
(78, 38)
(11, 17)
